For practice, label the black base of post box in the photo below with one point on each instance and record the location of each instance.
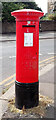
(26, 95)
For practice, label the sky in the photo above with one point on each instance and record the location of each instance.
(42, 4)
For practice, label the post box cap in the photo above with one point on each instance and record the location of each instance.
(27, 14)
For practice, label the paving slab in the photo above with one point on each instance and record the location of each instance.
(47, 89)
(4, 100)
(3, 107)
(9, 94)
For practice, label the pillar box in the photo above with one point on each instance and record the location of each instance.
(27, 57)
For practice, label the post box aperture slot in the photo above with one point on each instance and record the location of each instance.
(28, 26)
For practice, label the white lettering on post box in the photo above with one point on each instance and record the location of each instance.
(28, 39)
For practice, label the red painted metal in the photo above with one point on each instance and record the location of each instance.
(27, 57)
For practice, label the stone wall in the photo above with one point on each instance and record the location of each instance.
(8, 27)
(47, 25)
(44, 26)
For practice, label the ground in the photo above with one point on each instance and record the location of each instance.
(45, 109)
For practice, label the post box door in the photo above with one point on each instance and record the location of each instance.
(27, 51)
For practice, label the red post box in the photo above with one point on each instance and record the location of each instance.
(27, 57)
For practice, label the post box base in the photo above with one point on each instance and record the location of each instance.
(26, 95)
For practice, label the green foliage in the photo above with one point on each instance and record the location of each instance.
(32, 5)
(51, 16)
(8, 7)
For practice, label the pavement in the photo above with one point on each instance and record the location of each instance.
(45, 88)
(42, 35)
